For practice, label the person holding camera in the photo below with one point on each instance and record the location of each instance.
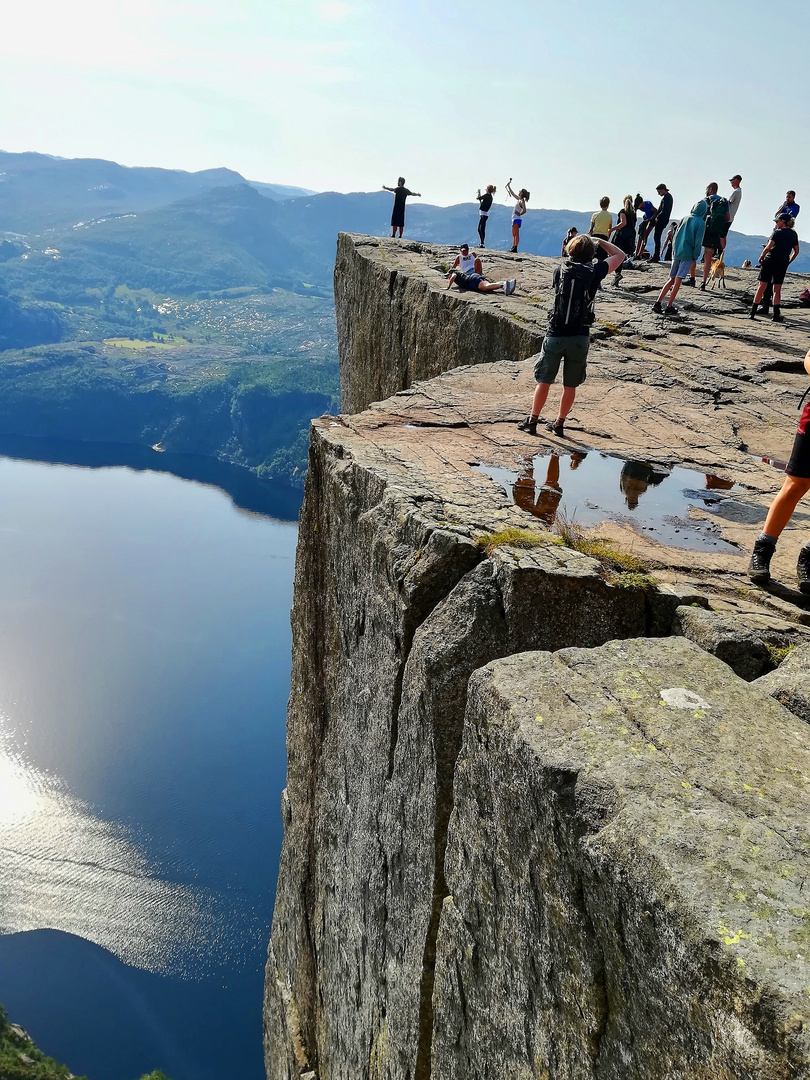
(522, 198)
(484, 207)
(567, 339)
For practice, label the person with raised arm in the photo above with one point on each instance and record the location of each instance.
(566, 342)
(401, 193)
(484, 207)
(521, 198)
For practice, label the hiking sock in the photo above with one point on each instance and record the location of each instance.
(763, 538)
(777, 313)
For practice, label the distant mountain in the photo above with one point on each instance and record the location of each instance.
(279, 191)
(42, 192)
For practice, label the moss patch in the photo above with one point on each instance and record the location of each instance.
(778, 653)
(513, 537)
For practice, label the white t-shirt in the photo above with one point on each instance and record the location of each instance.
(466, 263)
(518, 212)
(734, 200)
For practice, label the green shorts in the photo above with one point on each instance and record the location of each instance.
(572, 351)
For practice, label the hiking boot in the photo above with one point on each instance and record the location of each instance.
(759, 568)
(803, 570)
(670, 310)
(657, 308)
(557, 427)
(703, 286)
(655, 259)
(513, 249)
(777, 314)
(528, 425)
(753, 312)
(689, 282)
(509, 286)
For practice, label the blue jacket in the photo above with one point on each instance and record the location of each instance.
(689, 237)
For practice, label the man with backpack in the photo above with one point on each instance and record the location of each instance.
(575, 283)
(717, 226)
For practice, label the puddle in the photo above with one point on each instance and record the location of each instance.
(589, 488)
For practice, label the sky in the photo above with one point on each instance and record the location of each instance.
(574, 99)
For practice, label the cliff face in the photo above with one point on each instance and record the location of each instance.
(395, 326)
(525, 835)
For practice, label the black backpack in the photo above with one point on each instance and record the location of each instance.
(573, 299)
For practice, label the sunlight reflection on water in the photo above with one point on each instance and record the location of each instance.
(64, 868)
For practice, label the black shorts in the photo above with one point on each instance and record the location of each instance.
(799, 464)
(771, 272)
(711, 241)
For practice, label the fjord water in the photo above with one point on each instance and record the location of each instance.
(144, 672)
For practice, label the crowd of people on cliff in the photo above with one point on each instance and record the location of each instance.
(587, 259)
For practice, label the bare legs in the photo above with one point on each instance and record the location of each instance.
(785, 502)
(566, 401)
(515, 235)
(777, 294)
(674, 284)
(394, 230)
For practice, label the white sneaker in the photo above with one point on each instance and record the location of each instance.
(510, 286)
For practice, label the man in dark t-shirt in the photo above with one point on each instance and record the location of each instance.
(401, 193)
(661, 219)
(779, 253)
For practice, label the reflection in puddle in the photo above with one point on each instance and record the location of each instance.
(653, 498)
(64, 868)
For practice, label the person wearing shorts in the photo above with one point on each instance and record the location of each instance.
(795, 487)
(401, 193)
(477, 283)
(685, 249)
(778, 254)
(566, 342)
(522, 198)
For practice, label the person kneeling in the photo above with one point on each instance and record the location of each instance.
(477, 283)
(575, 283)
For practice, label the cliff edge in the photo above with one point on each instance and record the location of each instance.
(528, 832)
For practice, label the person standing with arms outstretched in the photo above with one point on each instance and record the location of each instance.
(484, 207)
(401, 193)
(522, 198)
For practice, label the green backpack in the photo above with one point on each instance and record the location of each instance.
(718, 216)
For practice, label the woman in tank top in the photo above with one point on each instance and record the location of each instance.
(522, 198)
(623, 233)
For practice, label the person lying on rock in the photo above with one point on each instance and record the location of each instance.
(795, 487)
(478, 283)
(575, 283)
(467, 263)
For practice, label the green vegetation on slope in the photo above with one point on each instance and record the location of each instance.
(21, 1060)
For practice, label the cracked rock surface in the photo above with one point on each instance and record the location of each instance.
(465, 891)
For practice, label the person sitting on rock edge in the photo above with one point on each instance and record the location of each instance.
(467, 263)
(575, 283)
(794, 488)
(477, 283)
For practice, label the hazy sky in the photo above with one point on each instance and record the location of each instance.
(573, 98)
